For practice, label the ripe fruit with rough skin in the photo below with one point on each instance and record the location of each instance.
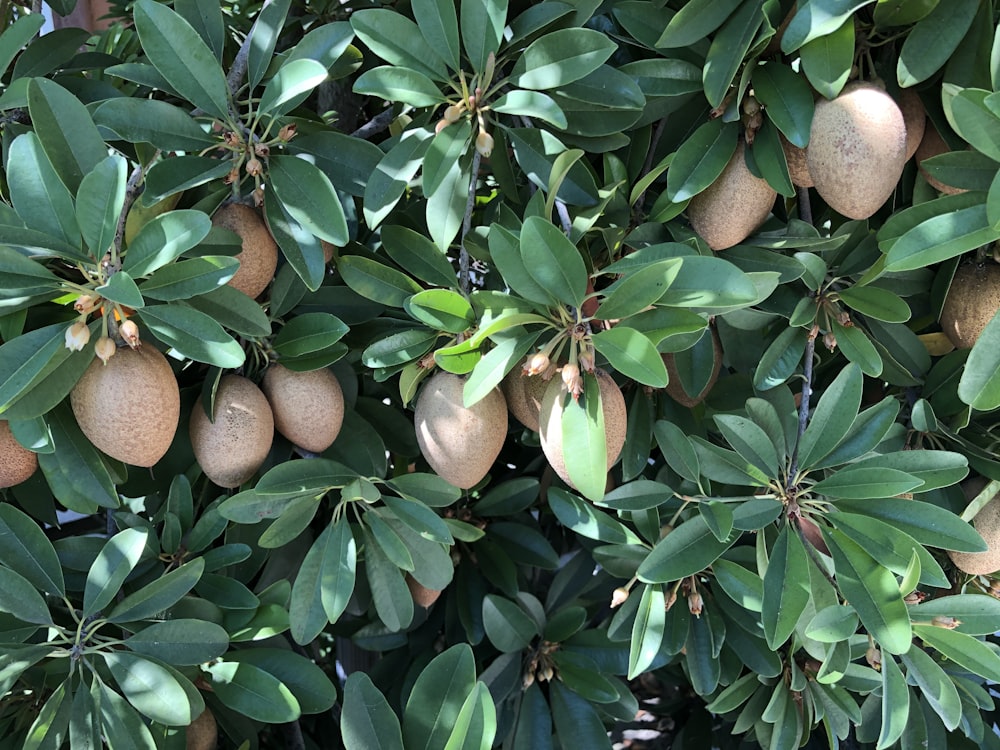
(987, 523)
(973, 299)
(523, 394)
(259, 257)
(420, 594)
(203, 732)
(733, 206)
(308, 406)
(17, 463)
(232, 448)
(857, 149)
(798, 167)
(674, 387)
(460, 443)
(932, 144)
(550, 419)
(914, 118)
(129, 408)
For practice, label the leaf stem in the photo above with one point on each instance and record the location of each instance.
(807, 374)
(464, 280)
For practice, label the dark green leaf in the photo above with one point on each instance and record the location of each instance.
(291, 85)
(117, 558)
(159, 595)
(980, 382)
(816, 18)
(19, 598)
(262, 39)
(252, 692)
(787, 100)
(827, 60)
(397, 40)
(686, 550)
(694, 21)
(932, 41)
(367, 721)
(437, 697)
(701, 159)
(376, 281)
(164, 239)
(25, 549)
(192, 333)
(561, 57)
(309, 196)
(158, 123)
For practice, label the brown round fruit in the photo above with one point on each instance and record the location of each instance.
(798, 167)
(987, 523)
(232, 448)
(674, 388)
(973, 299)
(733, 206)
(914, 118)
(17, 463)
(932, 144)
(308, 406)
(523, 394)
(460, 443)
(550, 418)
(203, 732)
(857, 149)
(259, 257)
(129, 408)
(420, 594)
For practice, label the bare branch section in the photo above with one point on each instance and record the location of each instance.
(464, 272)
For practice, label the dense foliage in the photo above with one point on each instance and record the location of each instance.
(460, 186)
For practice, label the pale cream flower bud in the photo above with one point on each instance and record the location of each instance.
(440, 125)
(77, 336)
(695, 603)
(537, 363)
(105, 348)
(254, 167)
(484, 143)
(287, 133)
(945, 621)
(452, 113)
(619, 596)
(129, 331)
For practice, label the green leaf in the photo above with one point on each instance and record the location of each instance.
(399, 84)
(308, 333)
(534, 721)
(816, 18)
(584, 443)
(827, 60)
(976, 612)
(786, 587)
(309, 196)
(969, 170)
(877, 303)
(376, 281)
(581, 518)
(389, 591)
(117, 558)
(780, 359)
(16, 36)
(833, 416)
(576, 717)
(40, 198)
(874, 593)
(234, 310)
(933, 40)
(935, 468)
(476, 725)
(438, 24)
(895, 703)
(495, 365)
(445, 150)
(188, 278)
(75, 472)
(49, 729)
(420, 518)
(750, 441)
(553, 261)
(178, 173)
(647, 630)
(688, 549)
(324, 583)
(936, 685)
(979, 385)
(193, 334)
(263, 37)
(632, 354)
(121, 288)
(65, 130)
(181, 642)
(152, 121)
(19, 598)
(164, 239)
(694, 21)
(507, 626)
(561, 57)
(701, 159)
(159, 595)
(397, 40)
(121, 726)
(251, 691)
(966, 651)
(711, 284)
(858, 348)
(25, 549)
(536, 151)
(367, 722)
(902, 12)
(533, 104)
(100, 201)
(417, 255)
(206, 18)
(441, 309)
(291, 85)
(866, 483)
(788, 100)
(306, 680)
(729, 48)
(181, 57)
(437, 697)
(445, 209)
(638, 290)
(941, 237)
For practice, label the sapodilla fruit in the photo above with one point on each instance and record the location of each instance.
(733, 206)
(232, 448)
(857, 149)
(523, 394)
(914, 118)
(798, 167)
(987, 523)
(973, 299)
(17, 463)
(420, 594)
(129, 408)
(203, 732)
(550, 419)
(259, 257)
(674, 387)
(460, 443)
(308, 406)
(932, 144)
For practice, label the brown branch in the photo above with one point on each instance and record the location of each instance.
(464, 279)
(376, 125)
(805, 208)
(133, 188)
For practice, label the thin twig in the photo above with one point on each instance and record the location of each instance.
(464, 276)
(564, 219)
(238, 71)
(376, 125)
(805, 208)
(650, 154)
(807, 372)
(133, 188)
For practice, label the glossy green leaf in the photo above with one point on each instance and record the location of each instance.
(49, 729)
(324, 583)
(976, 120)
(750, 441)
(902, 12)
(99, 202)
(769, 156)
(263, 37)
(701, 159)
(394, 171)
(192, 333)
(507, 626)
(936, 685)
(476, 725)
(533, 104)
(438, 23)
(632, 354)
(188, 278)
(252, 692)
(121, 288)
(234, 310)
(75, 472)
(26, 550)
(159, 595)
(40, 198)
(118, 558)
(979, 385)
(307, 333)
(638, 290)
(695, 21)
(398, 84)
(561, 57)
(309, 196)
(877, 303)
(16, 36)
(536, 151)
(181, 642)
(647, 630)
(786, 587)
(873, 592)
(389, 591)
(152, 121)
(587, 521)
(206, 19)
(21, 599)
(494, 366)
(294, 81)
(306, 680)
(437, 698)
(398, 41)
(968, 170)
(576, 717)
(827, 60)
(966, 651)
(816, 18)
(553, 261)
(121, 725)
(858, 348)
(445, 209)
(179, 173)
(729, 48)
(163, 240)
(181, 57)
(368, 723)
(417, 255)
(584, 441)
(376, 281)
(833, 416)
(787, 99)
(932, 41)
(866, 483)
(688, 549)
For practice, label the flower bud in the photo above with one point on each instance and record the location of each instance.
(572, 380)
(262, 150)
(105, 349)
(830, 340)
(695, 603)
(86, 303)
(258, 196)
(484, 143)
(452, 113)
(619, 596)
(440, 125)
(547, 673)
(874, 658)
(254, 167)
(751, 106)
(233, 176)
(77, 336)
(129, 331)
(945, 621)
(286, 133)
(537, 363)
(587, 361)
(528, 680)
